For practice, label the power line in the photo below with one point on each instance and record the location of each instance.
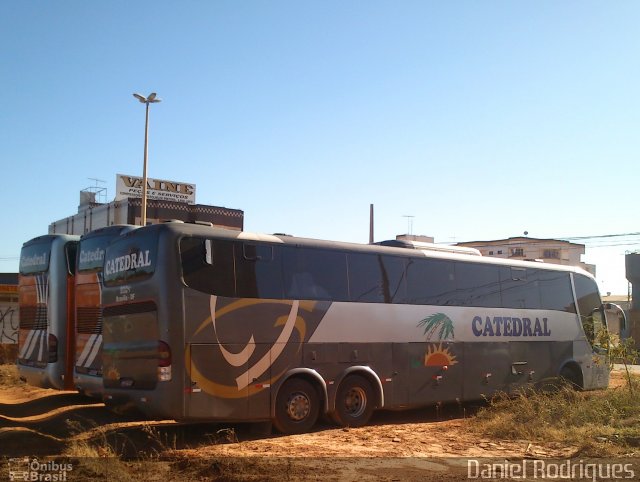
(598, 241)
(599, 236)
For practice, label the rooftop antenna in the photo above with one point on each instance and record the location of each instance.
(97, 193)
(409, 223)
(370, 223)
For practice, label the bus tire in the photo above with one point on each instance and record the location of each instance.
(569, 376)
(355, 401)
(297, 407)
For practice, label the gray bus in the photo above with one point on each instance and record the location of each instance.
(202, 323)
(45, 297)
(87, 371)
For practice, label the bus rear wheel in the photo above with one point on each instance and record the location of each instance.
(297, 407)
(354, 402)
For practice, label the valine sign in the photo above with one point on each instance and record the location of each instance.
(159, 189)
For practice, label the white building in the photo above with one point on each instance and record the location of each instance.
(533, 249)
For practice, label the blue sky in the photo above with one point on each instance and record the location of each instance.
(482, 119)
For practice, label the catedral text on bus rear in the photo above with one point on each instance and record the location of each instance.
(129, 261)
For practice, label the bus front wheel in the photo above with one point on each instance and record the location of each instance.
(354, 402)
(570, 376)
(297, 407)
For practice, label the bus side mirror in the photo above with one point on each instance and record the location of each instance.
(622, 317)
(208, 252)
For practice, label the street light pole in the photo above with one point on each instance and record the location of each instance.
(150, 99)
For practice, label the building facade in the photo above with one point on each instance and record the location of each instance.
(92, 216)
(533, 249)
(167, 201)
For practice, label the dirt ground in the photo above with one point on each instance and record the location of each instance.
(426, 444)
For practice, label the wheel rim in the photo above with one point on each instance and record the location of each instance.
(355, 402)
(298, 406)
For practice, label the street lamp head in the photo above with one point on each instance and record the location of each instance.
(150, 99)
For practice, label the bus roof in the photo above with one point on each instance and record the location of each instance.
(51, 238)
(115, 229)
(190, 229)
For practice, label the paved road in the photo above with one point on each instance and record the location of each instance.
(635, 369)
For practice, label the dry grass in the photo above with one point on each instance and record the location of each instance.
(605, 422)
(8, 353)
(9, 376)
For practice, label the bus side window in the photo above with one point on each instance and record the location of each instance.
(393, 279)
(315, 274)
(365, 278)
(207, 265)
(430, 282)
(555, 291)
(477, 285)
(70, 250)
(376, 278)
(257, 252)
(519, 288)
(258, 271)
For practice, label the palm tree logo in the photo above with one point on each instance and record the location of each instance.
(435, 322)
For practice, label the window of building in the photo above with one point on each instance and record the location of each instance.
(551, 254)
(517, 252)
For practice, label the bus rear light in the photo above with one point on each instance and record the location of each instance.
(52, 342)
(164, 374)
(164, 362)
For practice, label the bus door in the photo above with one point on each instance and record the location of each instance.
(221, 384)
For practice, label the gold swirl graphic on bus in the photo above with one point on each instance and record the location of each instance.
(291, 322)
(221, 390)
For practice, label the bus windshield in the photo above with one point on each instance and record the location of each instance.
(35, 258)
(130, 258)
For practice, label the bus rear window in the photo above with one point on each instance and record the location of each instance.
(132, 258)
(91, 257)
(35, 258)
